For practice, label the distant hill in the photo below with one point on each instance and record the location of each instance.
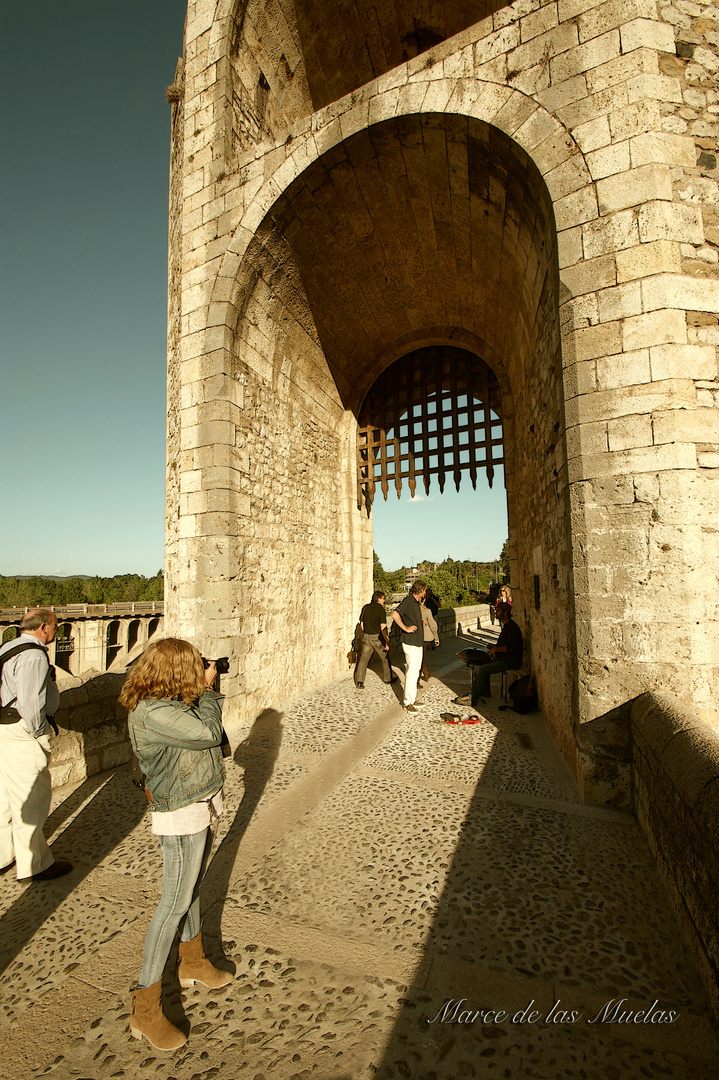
(49, 577)
(35, 591)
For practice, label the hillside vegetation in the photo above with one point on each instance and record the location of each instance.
(56, 592)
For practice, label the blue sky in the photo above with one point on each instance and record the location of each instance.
(83, 249)
(464, 525)
(83, 235)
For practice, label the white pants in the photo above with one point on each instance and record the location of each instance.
(25, 791)
(413, 666)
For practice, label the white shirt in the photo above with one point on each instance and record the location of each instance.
(28, 684)
(188, 819)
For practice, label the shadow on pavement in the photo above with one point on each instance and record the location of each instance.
(544, 903)
(86, 841)
(257, 754)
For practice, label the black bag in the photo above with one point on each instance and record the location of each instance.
(523, 695)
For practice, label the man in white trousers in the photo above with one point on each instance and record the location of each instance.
(408, 616)
(29, 699)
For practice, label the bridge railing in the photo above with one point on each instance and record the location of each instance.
(93, 611)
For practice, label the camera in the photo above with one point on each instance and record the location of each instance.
(222, 663)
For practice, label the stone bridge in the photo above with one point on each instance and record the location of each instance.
(94, 637)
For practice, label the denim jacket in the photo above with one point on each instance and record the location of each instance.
(178, 748)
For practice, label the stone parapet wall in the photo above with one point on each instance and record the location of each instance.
(92, 728)
(675, 773)
(452, 621)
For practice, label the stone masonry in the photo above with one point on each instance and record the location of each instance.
(350, 183)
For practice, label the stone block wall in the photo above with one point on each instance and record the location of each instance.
(675, 771)
(540, 187)
(92, 728)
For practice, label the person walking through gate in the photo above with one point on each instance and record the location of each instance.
(375, 639)
(175, 723)
(408, 616)
(30, 699)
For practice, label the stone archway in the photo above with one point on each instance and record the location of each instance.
(282, 315)
(426, 229)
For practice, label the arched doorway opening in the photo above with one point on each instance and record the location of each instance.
(422, 231)
(434, 414)
(65, 647)
(133, 633)
(113, 644)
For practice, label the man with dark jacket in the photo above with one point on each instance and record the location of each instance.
(373, 624)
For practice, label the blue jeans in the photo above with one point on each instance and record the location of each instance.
(481, 676)
(184, 863)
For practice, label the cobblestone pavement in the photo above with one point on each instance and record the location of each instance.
(371, 867)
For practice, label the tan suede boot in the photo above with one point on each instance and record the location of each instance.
(148, 1019)
(195, 967)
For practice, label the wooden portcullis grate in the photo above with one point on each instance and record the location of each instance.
(435, 412)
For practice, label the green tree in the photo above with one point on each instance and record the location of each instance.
(450, 593)
(388, 582)
(504, 562)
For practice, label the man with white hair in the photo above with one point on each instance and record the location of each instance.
(29, 698)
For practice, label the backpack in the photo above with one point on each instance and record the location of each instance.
(523, 695)
(21, 648)
(7, 716)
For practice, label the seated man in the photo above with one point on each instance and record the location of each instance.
(506, 655)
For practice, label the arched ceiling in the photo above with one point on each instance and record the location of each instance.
(347, 43)
(412, 229)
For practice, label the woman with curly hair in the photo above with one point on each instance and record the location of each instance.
(175, 723)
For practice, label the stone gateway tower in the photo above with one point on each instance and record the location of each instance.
(508, 213)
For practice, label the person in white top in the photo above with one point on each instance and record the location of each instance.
(29, 699)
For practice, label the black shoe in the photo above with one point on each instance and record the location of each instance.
(359, 685)
(462, 700)
(56, 869)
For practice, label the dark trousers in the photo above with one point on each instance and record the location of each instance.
(483, 667)
(372, 643)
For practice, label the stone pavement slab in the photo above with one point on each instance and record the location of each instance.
(398, 898)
